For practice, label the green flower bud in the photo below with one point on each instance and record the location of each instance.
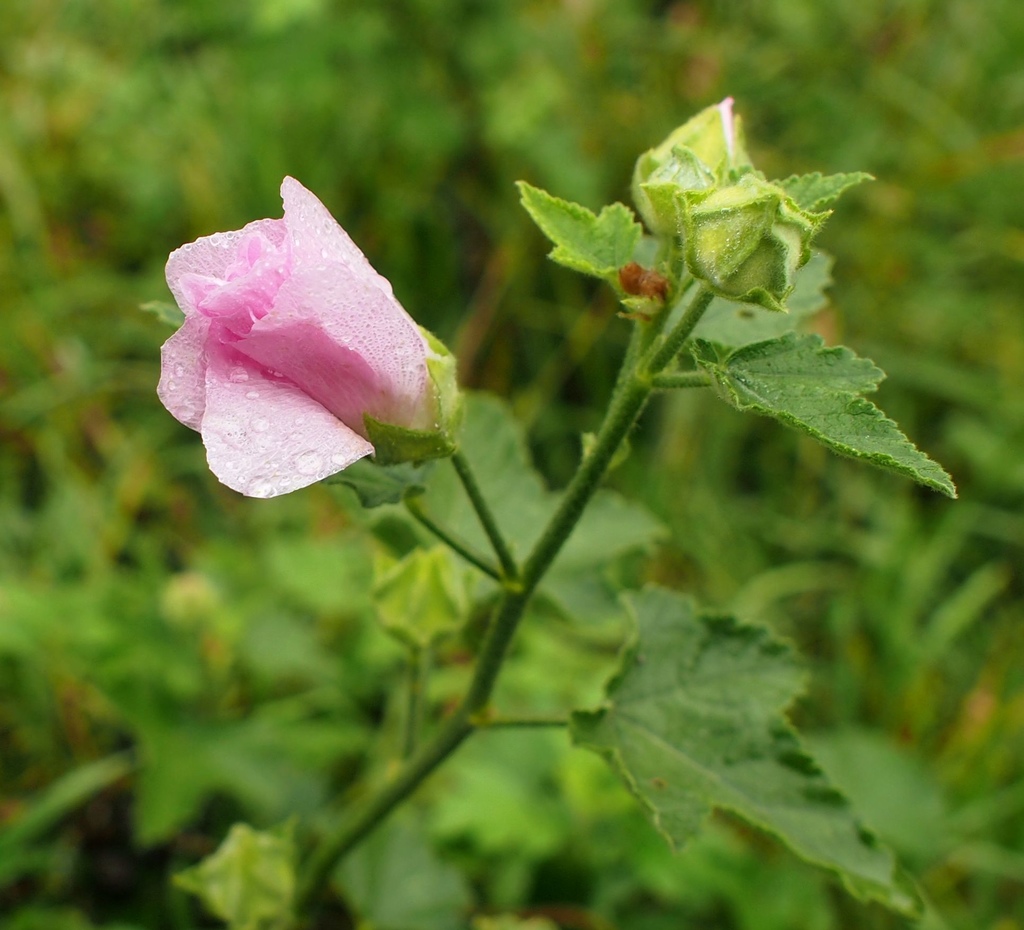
(701, 153)
(747, 241)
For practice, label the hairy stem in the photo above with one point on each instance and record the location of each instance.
(673, 380)
(667, 350)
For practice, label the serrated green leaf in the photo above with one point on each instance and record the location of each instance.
(376, 485)
(695, 719)
(737, 324)
(798, 380)
(249, 882)
(816, 191)
(164, 311)
(593, 244)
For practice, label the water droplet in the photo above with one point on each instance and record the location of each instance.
(179, 371)
(238, 375)
(261, 487)
(309, 463)
(172, 385)
(339, 459)
(252, 395)
(261, 425)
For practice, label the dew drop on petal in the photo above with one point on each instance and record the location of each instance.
(309, 463)
(252, 395)
(238, 375)
(339, 459)
(261, 425)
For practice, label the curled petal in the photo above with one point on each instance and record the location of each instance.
(182, 387)
(210, 257)
(264, 436)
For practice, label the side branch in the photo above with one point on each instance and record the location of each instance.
(509, 568)
(452, 541)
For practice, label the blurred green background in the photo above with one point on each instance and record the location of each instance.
(174, 657)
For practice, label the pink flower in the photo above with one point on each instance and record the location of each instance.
(290, 342)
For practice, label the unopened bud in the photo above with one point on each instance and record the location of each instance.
(747, 241)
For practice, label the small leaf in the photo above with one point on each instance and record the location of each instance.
(592, 244)
(249, 881)
(376, 485)
(797, 380)
(164, 311)
(695, 719)
(817, 191)
(737, 324)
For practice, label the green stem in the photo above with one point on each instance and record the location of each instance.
(631, 394)
(483, 511)
(668, 349)
(453, 542)
(680, 379)
(492, 723)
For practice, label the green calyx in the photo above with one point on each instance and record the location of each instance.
(394, 445)
(746, 241)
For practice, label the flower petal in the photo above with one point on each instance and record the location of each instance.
(211, 256)
(264, 436)
(182, 387)
(316, 236)
(347, 344)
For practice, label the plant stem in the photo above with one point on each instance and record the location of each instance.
(628, 400)
(680, 379)
(492, 723)
(509, 568)
(668, 350)
(453, 542)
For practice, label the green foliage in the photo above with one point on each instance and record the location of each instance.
(695, 719)
(817, 191)
(129, 580)
(729, 323)
(422, 598)
(611, 528)
(594, 245)
(249, 882)
(817, 390)
(164, 311)
(395, 881)
(376, 485)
